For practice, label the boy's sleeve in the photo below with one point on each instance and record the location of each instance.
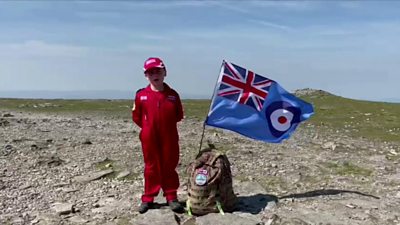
(179, 109)
(137, 111)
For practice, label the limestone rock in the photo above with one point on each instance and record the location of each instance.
(77, 220)
(218, 219)
(156, 217)
(63, 208)
(93, 176)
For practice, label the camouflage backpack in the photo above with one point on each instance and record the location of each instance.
(210, 184)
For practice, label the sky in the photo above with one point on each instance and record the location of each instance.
(348, 48)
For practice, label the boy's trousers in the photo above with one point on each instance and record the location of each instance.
(161, 156)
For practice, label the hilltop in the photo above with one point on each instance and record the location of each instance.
(79, 162)
(310, 92)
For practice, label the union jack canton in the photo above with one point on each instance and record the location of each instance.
(243, 86)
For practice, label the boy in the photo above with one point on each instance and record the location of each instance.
(156, 110)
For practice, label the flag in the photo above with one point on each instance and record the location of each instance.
(255, 106)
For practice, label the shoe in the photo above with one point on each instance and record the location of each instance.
(144, 206)
(175, 206)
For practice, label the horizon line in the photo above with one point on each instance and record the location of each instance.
(122, 95)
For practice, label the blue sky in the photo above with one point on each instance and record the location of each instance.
(349, 48)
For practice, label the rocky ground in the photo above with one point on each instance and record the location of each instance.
(85, 169)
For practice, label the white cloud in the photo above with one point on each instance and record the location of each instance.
(247, 7)
(231, 7)
(298, 43)
(171, 4)
(35, 48)
(149, 48)
(272, 25)
(38, 65)
(287, 5)
(350, 4)
(99, 14)
(156, 37)
(111, 10)
(333, 31)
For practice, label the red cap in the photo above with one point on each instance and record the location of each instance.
(153, 62)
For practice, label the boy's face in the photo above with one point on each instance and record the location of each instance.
(155, 76)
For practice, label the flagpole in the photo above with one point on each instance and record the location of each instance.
(202, 136)
(216, 86)
(212, 100)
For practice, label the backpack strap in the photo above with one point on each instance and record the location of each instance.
(189, 208)
(214, 158)
(200, 161)
(219, 207)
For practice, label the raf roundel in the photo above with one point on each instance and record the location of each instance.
(281, 116)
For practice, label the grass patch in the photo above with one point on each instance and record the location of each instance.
(108, 163)
(196, 109)
(105, 164)
(372, 120)
(376, 120)
(275, 184)
(346, 168)
(314, 179)
(117, 108)
(241, 178)
(124, 221)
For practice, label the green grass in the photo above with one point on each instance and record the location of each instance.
(373, 120)
(196, 109)
(118, 108)
(347, 169)
(108, 163)
(274, 184)
(124, 221)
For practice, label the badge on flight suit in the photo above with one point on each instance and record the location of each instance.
(142, 98)
(171, 97)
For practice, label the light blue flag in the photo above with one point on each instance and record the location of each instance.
(255, 106)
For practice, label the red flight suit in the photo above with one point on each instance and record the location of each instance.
(157, 113)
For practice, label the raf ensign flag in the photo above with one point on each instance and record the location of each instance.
(255, 106)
